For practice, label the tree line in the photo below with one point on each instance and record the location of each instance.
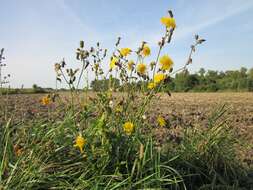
(201, 81)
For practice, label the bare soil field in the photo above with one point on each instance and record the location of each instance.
(196, 108)
(190, 108)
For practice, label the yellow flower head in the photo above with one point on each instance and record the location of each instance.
(128, 128)
(113, 62)
(161, 121)
(141, 68)
(168, 22)
(80, 142)
(146, 51)
(45, 100)
(166, 62)
(125, 51)
(130, 65)
(159, 77)
(151, 85)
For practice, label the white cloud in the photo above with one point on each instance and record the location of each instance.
(184, 30)
(189, 30)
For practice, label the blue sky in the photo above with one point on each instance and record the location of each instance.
(38, 33)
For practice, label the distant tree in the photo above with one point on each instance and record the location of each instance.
(37, 89)
(102, 85)
(250, 80)
(181, 81)
(202, 72)
(34, 86)
(250, 73)
(250, 85)
(243, 72)
(211, 81)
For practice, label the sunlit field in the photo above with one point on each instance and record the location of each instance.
(133, 124)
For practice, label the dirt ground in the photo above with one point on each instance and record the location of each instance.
(191, 108)
(196, 108)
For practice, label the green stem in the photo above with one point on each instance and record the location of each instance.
(80, 76)
(157, 58)
(71, 90)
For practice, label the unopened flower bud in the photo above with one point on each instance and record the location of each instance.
(81, 44)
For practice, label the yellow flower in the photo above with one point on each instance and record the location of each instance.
(130, 65)
(161, 121)
(128, 127)
(159, 77)
(151, 85)
(113, 62)
(80, 142)
(45, 100)
(141, 68)
(146, 51)
(166, 62)
(125, 51)
(168, 22)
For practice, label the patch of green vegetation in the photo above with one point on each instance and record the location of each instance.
(34, 90)
(40, 155)
(201, 81)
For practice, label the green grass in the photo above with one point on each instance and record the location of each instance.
(204, 159)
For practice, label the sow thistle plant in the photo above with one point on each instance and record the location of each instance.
(112, 128)
(122, 115)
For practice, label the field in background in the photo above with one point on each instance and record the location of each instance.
(191, 108)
